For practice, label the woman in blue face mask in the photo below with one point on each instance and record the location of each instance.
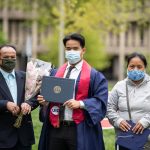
(128, 108)
(136, 65)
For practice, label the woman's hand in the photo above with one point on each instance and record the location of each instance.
(124, 126)
(138, 128)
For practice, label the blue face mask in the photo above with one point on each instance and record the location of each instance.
(135, 75)
(73, 56)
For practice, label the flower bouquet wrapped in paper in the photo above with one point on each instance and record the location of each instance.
(35, 70)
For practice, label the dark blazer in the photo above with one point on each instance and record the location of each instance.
(9, 135)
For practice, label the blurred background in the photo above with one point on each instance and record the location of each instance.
(112, 28)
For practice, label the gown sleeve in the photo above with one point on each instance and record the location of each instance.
(96, 103)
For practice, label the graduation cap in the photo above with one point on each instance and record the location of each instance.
(131, 140)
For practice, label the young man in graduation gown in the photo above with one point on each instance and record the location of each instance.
(12, 90)
(80, 127)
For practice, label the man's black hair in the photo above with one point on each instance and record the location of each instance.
(75, 36)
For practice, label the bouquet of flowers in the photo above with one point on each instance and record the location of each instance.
(35, 70)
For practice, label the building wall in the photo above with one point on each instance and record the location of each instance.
(135, 38)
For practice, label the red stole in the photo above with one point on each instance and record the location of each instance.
(82, 93)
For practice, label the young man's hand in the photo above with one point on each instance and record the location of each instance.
(72, 104)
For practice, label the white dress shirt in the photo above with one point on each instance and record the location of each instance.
(74, 75)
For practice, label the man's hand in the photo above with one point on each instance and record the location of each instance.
(25, 108)
(124, 126)
(72, 104)
(13, 108)
(41, 100)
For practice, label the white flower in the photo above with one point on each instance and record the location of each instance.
(35, 71)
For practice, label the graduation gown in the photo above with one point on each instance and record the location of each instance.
(89, 131)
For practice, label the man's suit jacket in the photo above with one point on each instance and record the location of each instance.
(9, 135)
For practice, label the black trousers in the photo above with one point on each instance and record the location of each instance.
(121, 148)
(63, 138)
(18, 146)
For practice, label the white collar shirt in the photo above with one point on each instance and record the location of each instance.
(74, 75)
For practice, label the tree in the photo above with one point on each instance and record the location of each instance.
(85, 17)
(93, 18)
(2, 38)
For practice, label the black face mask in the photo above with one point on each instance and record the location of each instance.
(8, 64)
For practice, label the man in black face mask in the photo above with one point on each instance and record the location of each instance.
(12, 86)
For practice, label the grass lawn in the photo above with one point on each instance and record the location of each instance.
(109, 139)
(108, 134)
(37, 127)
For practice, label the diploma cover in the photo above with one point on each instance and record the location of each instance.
(58, 90)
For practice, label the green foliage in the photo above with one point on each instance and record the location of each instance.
(95, 51)
(90, 21)
(92, 18)
(95, 14)
(52, 54)
(2, 38)
(147, 55)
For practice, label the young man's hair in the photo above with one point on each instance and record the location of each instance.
(75, 36)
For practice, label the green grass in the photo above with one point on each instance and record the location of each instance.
(109, 139)
(37, 127)
(111, 84)
(108, 134)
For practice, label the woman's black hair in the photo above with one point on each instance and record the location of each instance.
(135, 54)
(75, 36)
(8, 45)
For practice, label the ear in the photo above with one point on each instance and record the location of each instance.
(0, 58)
(83, 50)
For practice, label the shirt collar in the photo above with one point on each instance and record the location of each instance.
(5, 74)
(78, 66)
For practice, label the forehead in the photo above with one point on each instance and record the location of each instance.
(72, 43)
(7, 51)
(136, 61)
